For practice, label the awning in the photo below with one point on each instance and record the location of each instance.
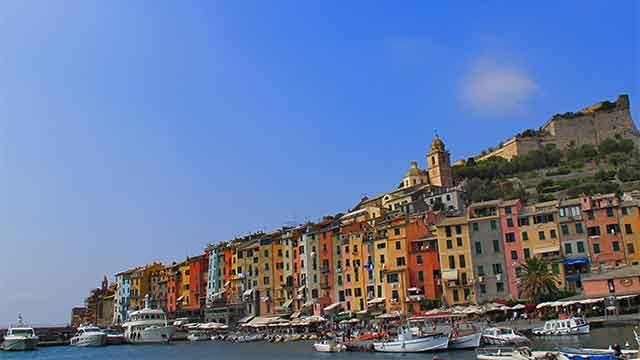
(332, 306)
(450, 275)
(376, 301)
(246, 319)
(548, 249)
(287, 303)
(301, 288)
(247, 293)
(180, 299)
(576, 261)
(414, 289)
(227, 284)
(388, 316)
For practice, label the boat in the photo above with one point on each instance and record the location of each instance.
(406, 342)
(20, 337)
(584, 354)
(570, 326)
(470, 341)
(330, 346)
(198, 335)
(503, 336)
(114, 337)
(148, 326)
(510, 353)
(89, 336)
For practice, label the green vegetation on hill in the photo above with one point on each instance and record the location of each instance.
(617, 161)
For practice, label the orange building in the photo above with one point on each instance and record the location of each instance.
(424, 263)
(603, 230)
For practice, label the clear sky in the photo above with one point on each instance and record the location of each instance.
(140, 131)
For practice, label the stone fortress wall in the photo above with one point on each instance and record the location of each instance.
(590, 125)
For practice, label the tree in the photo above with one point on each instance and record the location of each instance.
(536, 280)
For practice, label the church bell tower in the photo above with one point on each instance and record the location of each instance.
(439, 164)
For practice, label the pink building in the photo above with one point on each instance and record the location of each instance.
(512, 242)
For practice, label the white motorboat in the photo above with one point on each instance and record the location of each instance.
(114, 337)
(198, 335)
(20, 337)
(89, 336)
(329, 346)
(521, 353)
(503, 336)
(148, 326)
(570, 326)
(470, 341)
(407, 343)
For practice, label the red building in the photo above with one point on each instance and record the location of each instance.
(424, 263)
(198, 271)
(603, 230)
(511, 242)
(174, 286)
(326, 235)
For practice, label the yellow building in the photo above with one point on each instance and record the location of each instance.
(183, 291)
(397, 279)
(456, 280)
(630, 228)
(540, 236)
(140, 284)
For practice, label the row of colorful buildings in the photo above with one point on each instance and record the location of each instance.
(399, 252)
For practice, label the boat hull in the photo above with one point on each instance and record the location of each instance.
(21, 344)
(330, 348)
(422, 344)
(191, 337)
(466, 342)
(149, 334)
(578, 330)
(89, 340)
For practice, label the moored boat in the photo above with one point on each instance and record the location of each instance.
(405, 342)
(503, 336)
(20, 337)
(89, 336)
(570, 326)
(148, 326)
(584, 354)
(511, 353)
(114, 337)
(470, 341)
(198, 335)
(329, 346)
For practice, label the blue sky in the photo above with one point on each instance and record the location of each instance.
(133, 132)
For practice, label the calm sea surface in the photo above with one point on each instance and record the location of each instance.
(602, 338)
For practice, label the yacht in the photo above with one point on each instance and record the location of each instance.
(20, 337)
(89, 336)
(407, 343)
(148, 326)
(570, 326)
(503, 336)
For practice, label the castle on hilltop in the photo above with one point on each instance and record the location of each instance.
(589, 126)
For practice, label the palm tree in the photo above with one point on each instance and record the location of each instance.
(536, 280)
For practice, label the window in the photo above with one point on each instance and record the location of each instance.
(494, 225)
(401, 261)
(480, 270)
(510, 237)
(463, 263)
(565, 229)
(449, 244)
(463, 278)
(616, 246)
(483, 289)
(507, 210)
(497, 269)
(580, 245)
(553, 234)
(466, 294)
(568, 249)
(613, 228)
(419, 259)
(541, 235)
(527, 253)
(382, 259)
(625, 211)
(452, 262)
(579, 228)
(514, 255)
(474, 226)
(458, 241)
(420, 276)
(478, 247)
(593, 231)
(610, 212)
(392, 278)
(381, 245)
(590, 215)
(525, 236)
(447, 230)
(398, 245)
(266, 253)
(500, 287)
(523, 221)
(458, 229)
(630, 248)
(396, 231)
(510, 222)
(555, 268)
(628, 229)
(596, 248)
(265, 280)
(496, 246)
(456, 296)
